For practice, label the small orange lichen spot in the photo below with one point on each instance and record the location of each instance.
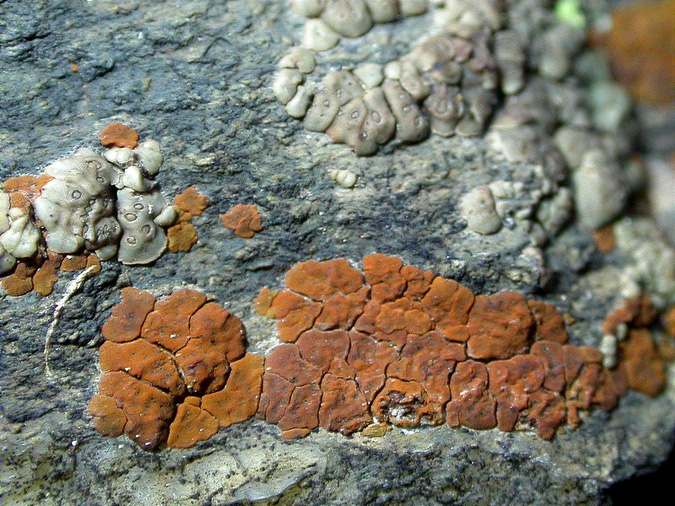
(550, 325)
(243, 220)
(128, 316)
(191, 426)
(190, 203)
(319, 280)
(644, 368)
(119, 136)
(182, 236)
(168, 324)
(109, 420)
(93, 262)
(73, 263)
(47, 274)
(20, 282)
(604, 239)
(74, 68)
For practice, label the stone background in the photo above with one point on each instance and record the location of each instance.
(195, 75)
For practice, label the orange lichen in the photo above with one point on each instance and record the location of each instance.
(119, 136)
(243, 220)
(73, 263)
(174, 371)
(182, 236)
(396, 345)
(20, 282)
(46, 276)
(641, 45)
(190, 203)
(604, 239)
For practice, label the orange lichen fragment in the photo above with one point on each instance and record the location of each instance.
(499, 326)
(429, 360)
(204, 366)
(326, 350)
(238, 401)
(109, 420)
(418, 281)
(303, 411)
(222, 330)
(143, 361)
(550, 324)
(669, 321)
(73, 263)
(471, 405)
(168, 324)
(645, 371)
(19, 184)
(148, 410)
(20, 282)
(636, 311)
(370, 359)
(405, 404)
(448, 303)
(263, 302)
(294, 314)
(511, 383)
(182, 237)
(604, 239)
(46, 276)
(343, 407)
(554, 364)
(399, 318)
(243, 220)
(341, 311)
(383, 275)
(128, 316)
(191, 426)
(119, 136)
(190, 203)
(319, 280)
(546, 412)
(641, 45)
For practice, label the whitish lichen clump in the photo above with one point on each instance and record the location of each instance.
(108, 204)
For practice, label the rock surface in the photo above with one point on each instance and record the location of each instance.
(197, 76)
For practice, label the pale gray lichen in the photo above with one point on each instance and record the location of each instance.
(478, 209)
(88, 204)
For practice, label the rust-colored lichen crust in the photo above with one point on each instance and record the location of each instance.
(174, 370)
(118, 135)
(393, 344)
(243, 220)
(183, 235)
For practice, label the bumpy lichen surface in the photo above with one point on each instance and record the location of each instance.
(174, 370)
(398, 345)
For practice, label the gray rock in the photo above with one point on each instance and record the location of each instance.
(196, 75)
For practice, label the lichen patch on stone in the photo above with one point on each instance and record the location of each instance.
(243, 219)
(174, 370)
(396, 345)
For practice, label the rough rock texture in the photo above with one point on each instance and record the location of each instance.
(197, 76)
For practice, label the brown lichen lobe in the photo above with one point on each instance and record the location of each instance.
(174, 370)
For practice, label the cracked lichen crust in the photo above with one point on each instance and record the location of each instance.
(394, 344)
(174, 370)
